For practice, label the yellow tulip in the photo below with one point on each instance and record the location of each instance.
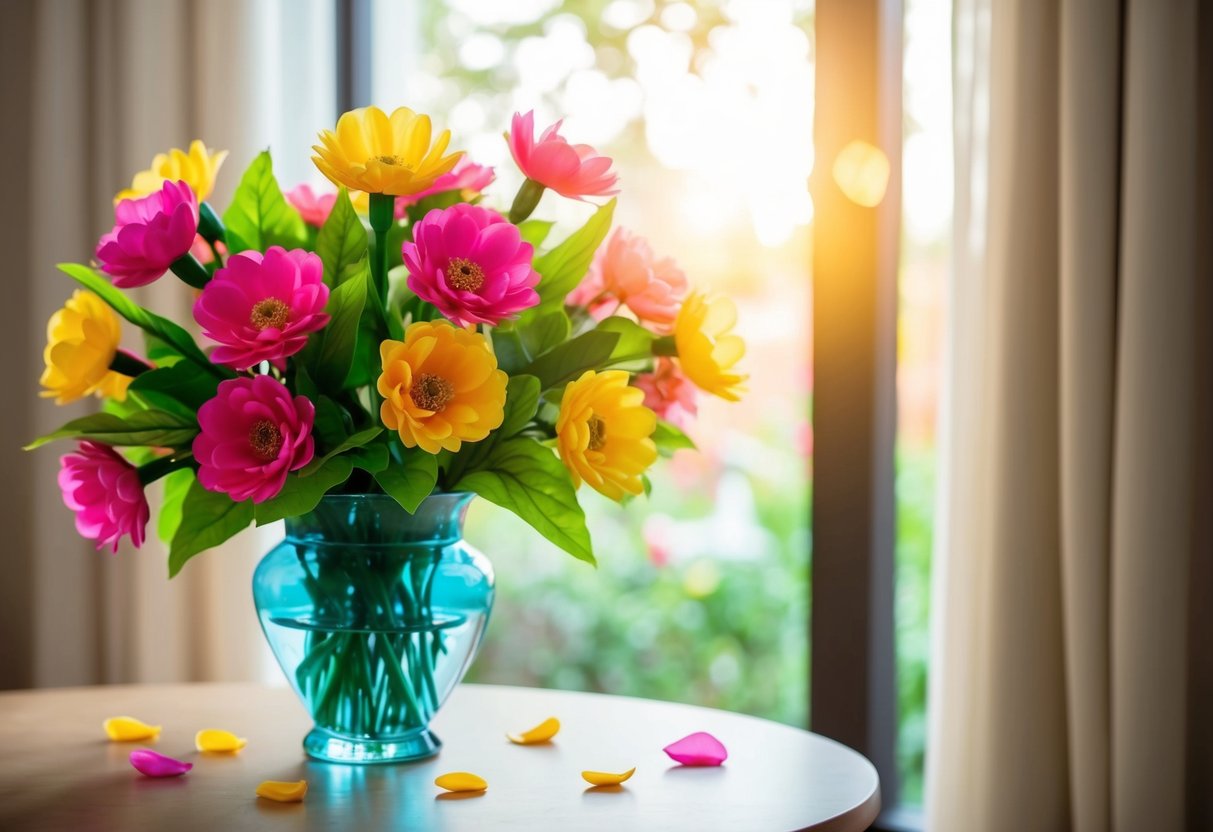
(440, 387)
(381, 154)
(604, 433)
(81, 341)
(707, 349)
(197, 168)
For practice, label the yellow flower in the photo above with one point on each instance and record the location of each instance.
(81, 340)
(604, 433)
(381, 154)
(707, 351)
(197, 168)
(440, 387)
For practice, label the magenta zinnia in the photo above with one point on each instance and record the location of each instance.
(263, 307)
(149, 234)
(105, 492)
(252, 434)
(471, 264)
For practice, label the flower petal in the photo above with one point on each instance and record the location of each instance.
(213, 739)
(283, 791)
(129, 729)
(604, 778)
(153, 764)
(698, 749)
(542, 732)
(461, 781)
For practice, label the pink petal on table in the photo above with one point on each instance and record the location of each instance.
(150, 763)
(698, 749)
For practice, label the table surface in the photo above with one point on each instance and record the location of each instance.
(58, 772)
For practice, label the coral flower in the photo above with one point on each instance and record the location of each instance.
(668, 393)
(381, 154)
(261, 307)
(252, 434)
(572, 170)
(105, 492)
(625, 271)
(471, 264)
(707, 349)
(81, 342)
(604, 433)
(440, 387)
(313, 207)
(197, 168)
(149, 234)
(467, 177)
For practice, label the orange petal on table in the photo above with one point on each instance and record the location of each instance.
(283, 791)
(604, 778)
(213, 739)
(129, 729)
(542, 732)
(461, 781)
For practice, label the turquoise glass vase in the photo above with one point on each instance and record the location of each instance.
(374, 615)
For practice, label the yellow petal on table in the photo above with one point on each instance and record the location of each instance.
(542, 732)
(461, 781)
(129, 729)
(283, 791)
(212, 739)
(604, 778)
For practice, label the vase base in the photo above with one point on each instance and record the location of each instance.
(335, 748)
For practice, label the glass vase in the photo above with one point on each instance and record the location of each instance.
(374, 615)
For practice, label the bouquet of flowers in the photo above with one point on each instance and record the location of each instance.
(396, 336)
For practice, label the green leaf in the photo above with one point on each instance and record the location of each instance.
(176, 485)
(635, 342)
(546, 331)
(669, 438)
(521, 402)
(356, 441)
(163, 329)
(302, 494)
(333, 422)
(507, 346)
(159, 352)
(157, 428)
(527, 478)
(182, 387)
(371, 458)
(342, 240)
(587, 351)
(535, 231)
(563, 267)
(331, 364)
(259, 215)
(207, 519)
(411, 481)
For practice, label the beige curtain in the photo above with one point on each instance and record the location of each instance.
(93, 89)
(1071, 676)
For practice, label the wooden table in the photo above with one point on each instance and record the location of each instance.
(58, 772)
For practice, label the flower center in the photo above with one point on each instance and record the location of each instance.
(431, 392)
(265, 439)
(597, 433)
(394, 161)
(464, 275)
(270, 312)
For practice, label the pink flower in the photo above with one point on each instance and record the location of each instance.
(467, 177)
(313, 207)
(105, 492)
(149, 234)
(252, 434)
(263, 307)
(572, 170)
(625, 271)
(668, 393)
(471, 264)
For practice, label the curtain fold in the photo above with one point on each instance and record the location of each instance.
(1073, 558)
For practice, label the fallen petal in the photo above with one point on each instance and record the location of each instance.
(461, 781)
(213, 739)
(603, 778)
(283, 791)
(129, 729)
(154, 764)
(698, 749)
(542, 732)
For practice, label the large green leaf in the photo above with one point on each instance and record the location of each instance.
(669, 438)
(259, 215)
(525, 477)
(207, 519)
(562, 268)
(342, 240)
(302, 494)
(535, 231)
(350, 442)
(182, 387)
(544, 332)
(163, 329)
(410, 481)
(176, 485)
(157, 428)
(521, 402)
(332, 359)
(635, 342)
(588, 351)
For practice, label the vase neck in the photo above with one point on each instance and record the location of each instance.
(377, 520)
